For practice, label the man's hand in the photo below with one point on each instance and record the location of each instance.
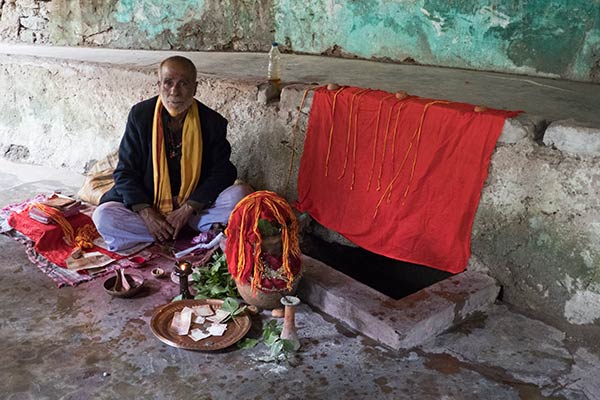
(158, 226)
(178, 218)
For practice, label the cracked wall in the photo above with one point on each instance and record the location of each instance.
(556, 38)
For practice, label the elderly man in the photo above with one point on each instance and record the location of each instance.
(173, 167)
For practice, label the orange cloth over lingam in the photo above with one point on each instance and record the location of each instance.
(243, 251)
(401, 178)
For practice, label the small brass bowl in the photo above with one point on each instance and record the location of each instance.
(158, 273)
(135, 281)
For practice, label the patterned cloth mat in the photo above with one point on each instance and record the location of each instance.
(161, 254)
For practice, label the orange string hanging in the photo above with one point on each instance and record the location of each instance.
(294, 130)
(412, 171)
(415, 134)
(355, 139)
(394, 141)
(354, 96)
(375, 141)
(331, 129)
(387, 128)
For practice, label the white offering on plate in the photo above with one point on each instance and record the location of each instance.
(203, 311)
(217, 329)
(182, 320)
(198, 334)
(219, 316)
(199, 319)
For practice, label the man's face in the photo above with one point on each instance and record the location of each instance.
(177, 87)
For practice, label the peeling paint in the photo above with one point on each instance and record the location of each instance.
(156, 16)
(552, 38)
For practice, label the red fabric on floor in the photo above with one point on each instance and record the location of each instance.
(401, 178)
(49, 238)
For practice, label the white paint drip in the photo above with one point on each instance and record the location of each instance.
(436, 21)
(496, 18)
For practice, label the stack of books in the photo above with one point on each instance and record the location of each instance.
(66, 205)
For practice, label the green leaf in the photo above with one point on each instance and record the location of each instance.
(247, 343)
(214, 280)
(177, 298)
(277, 349)
(288, 345)
(270, 338)
(239, 311)
(268, 228)
(230, 305)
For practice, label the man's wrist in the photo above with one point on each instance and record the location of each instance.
(196, 205)
(139, 207)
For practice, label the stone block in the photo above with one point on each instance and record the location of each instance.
(34, 23)
(399, 324)
(291, 97)
(573, 137)
(521, 127)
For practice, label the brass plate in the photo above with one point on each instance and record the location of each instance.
(161, 322)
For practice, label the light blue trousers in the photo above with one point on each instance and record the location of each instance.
(122, 228)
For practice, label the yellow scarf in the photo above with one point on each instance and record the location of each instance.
(191, 159)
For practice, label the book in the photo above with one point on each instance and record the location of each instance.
(66, 205)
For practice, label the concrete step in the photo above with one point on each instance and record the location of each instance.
(399, 324)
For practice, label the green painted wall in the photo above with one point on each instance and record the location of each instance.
(559, 38)
(545, 37)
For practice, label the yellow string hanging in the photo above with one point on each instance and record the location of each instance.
(352, 99)
(394, 141)
(387, 128)
(416, 134)
(331, 130)
(294, 130)
(375, 141)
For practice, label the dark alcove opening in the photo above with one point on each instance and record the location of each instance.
(396, 279)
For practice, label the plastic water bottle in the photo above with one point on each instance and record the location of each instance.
(274, 69)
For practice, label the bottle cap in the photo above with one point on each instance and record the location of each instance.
(274, 44)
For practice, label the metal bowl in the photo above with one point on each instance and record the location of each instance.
(135, 281)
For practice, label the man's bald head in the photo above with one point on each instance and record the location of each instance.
(181, 63)
(177, 84)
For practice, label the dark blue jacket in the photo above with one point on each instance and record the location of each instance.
(134, 179)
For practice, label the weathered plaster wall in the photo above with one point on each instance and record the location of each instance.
(536, 229)
(541, 37)
(238, 25)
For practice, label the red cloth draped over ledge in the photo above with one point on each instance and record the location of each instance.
(401, 178)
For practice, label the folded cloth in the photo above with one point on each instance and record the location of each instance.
(398, 177)
(49, 238)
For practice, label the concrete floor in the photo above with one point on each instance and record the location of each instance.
(79, 343)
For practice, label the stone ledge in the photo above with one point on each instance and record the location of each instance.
(573, 137)
(399, 324)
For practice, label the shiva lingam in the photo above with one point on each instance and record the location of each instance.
(182, 270)
(289, 331)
